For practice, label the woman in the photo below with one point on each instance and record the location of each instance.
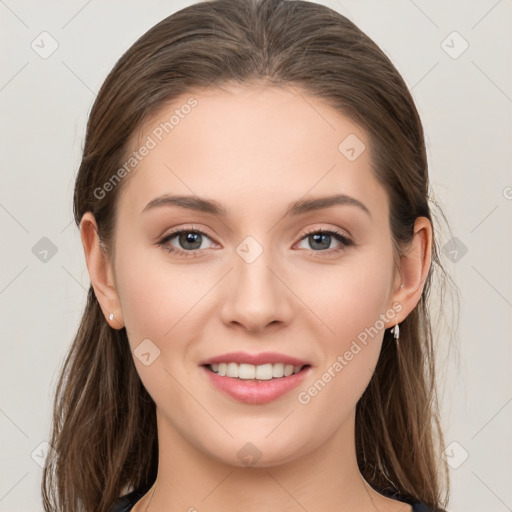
(253, 202)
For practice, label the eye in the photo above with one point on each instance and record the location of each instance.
(320, 239)
(190, 240)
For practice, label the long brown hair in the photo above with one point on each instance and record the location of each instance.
(104, 424)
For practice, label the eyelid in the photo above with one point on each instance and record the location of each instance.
(328, 230)
(335, 232)
(162, 240)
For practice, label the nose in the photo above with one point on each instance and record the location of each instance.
(255, 294)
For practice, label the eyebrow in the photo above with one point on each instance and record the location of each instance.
(213, 207)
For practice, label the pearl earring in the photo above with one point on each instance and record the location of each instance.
(111, 317)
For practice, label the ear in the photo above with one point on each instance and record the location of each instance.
(414, 266)
(100, 271)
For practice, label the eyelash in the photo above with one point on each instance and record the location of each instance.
(343, 239)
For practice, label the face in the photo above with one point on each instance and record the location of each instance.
(264, 273)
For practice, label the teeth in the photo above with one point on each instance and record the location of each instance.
(233, 370)
(249, 371)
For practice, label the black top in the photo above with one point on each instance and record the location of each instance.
(126, 503)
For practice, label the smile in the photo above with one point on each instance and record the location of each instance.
(248, 387)
(259, 372)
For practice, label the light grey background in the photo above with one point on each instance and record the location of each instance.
(465, 103)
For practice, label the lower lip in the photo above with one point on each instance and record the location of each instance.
(256, 391)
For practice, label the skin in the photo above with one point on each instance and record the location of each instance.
(255, 149)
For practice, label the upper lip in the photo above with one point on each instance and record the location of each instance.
(254, 359)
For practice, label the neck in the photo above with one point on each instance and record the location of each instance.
(326, 478)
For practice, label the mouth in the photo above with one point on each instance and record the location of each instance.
(262, 372)
(255, 384)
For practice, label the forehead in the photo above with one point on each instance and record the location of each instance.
(248, 143)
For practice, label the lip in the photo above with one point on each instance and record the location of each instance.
(254, 359)
(255, 391)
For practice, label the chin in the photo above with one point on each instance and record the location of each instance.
(260, 453)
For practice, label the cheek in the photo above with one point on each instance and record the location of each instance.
(350, 356)
(161, 306)
(154, 296)
(155, 307)
(353, 305)
(350, 298)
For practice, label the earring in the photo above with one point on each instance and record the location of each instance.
(111, 317)
(396, 333)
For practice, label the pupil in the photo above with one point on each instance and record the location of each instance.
(318, 237)
(191, 238)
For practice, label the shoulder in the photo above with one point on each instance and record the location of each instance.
(416, 505)
(125, 503)
(419, 506)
